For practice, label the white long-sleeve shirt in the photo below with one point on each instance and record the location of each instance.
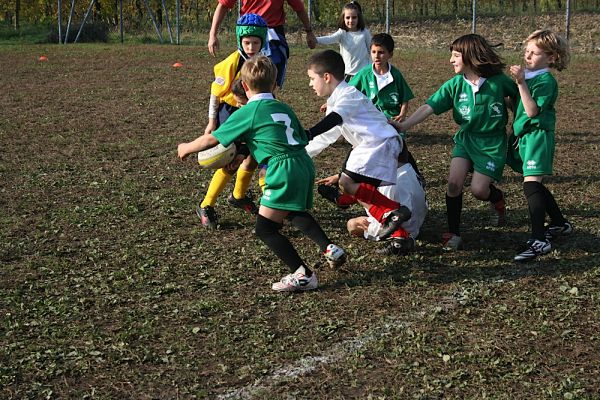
(354, 48)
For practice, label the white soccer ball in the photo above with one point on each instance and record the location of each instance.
(217, 157)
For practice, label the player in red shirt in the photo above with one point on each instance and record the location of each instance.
(273, 13)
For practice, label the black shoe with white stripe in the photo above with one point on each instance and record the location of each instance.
(534, 248)
(554, 231)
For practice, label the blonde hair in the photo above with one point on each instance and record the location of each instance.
(552, 44)
(259, 73)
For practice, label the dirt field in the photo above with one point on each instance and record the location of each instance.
(110, 288)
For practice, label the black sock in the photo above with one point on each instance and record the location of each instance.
(556, 216)
(495, 194)
(305, 222)
(536, 199)
(268, 232)
(453, 210)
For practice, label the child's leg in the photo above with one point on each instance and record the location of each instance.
(311, 228)
(306, 224)
(220, 179)
(553, 210)
(268, 231)
(244, 177)
(536, 201)
(262, 177)
(483, 189)
(456, 179)
(387, 211)
(367, 193)
(268, 223)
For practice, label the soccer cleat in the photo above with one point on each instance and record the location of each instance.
(335, 255)
(499, 208)
(534, 248)
(554, 231)
(394, 220)
(296, 282)
(245, 204)
(331, 193)
(398, 247)
(452, 241)
(208, 216)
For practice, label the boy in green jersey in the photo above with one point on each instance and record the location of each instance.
(275, 137)
(382, 82)
(534, 125)
(476, 95)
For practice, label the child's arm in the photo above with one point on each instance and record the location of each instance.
(416, 118)
(529, 104)
(213, 110)
(403, 111)
(331, 39)
(201, 143)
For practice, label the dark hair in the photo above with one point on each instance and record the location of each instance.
(238, 90)
(478, 55)
(327, 61)
(353, 5)
(383, 40)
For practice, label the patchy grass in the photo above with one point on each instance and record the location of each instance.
(110, 288)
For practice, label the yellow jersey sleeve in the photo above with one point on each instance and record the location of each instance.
(225, 73)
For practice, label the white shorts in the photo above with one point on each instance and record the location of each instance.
(378, 160)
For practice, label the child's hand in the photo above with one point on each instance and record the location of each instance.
(518, 73)
(329, 181)
(210, 127)
(399, 118)
(399, 126)
(182, 152)
(323, 108)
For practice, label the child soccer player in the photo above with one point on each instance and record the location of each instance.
(251, 32)
(376, 145)
(385, 86)
(476, 95)
(354, 39)
(534, 126)
(382, 82)
(407, 191)
(275, 137)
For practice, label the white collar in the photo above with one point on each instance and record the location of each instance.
(261, 96)
(532, 74)
(477, 86)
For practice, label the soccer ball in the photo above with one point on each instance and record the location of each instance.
(217, 157)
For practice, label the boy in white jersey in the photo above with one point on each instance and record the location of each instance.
(375, 144)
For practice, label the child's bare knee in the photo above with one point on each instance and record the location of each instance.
(454, 189)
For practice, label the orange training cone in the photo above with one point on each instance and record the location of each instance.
(177, 65)
(42, 58)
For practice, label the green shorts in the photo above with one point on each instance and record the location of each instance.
(289, 182)
(534, 155)
(487, 153)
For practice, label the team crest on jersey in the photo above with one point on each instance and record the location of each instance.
(490, 166)
(496, 110)
(219, 80)
(394, 97)
(463, 97)
(531, 164)
(465, 111)
(267, 194)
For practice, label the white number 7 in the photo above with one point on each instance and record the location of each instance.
(289, 132)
